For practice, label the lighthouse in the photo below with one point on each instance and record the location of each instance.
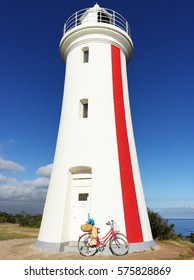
(95, 170)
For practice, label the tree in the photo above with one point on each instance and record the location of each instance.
(160, 228)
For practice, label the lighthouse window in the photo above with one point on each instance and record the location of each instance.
(85, 55)
(84, 108)
(83, 196)
(103, 18)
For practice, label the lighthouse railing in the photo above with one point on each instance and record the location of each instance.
(104, 15)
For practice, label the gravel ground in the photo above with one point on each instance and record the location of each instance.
(22, 249)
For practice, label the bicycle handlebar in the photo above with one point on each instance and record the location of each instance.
(111, 223)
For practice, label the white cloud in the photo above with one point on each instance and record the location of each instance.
(17, 195)
(26, 191)
(8, 165)
(45, 170)
(7, 180)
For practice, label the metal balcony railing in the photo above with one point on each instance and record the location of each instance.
(104, 15)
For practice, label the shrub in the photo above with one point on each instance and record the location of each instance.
(190, 237)
(160, 228)
(4, 217)
(23, 219)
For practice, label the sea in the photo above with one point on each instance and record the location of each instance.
(182, 226)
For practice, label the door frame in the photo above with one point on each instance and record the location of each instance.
(78, 174)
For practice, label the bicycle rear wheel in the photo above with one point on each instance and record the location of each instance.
(84, 245)
(119, 245)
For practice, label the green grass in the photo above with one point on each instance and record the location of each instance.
(14, 231)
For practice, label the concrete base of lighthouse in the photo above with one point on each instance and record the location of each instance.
(72, 247)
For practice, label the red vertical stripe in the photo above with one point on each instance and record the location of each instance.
(131, 212)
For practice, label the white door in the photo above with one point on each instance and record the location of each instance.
(80, 206)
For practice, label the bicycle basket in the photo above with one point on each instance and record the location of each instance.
(86, 227)
(116, 227)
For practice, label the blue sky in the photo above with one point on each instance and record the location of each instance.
(161, 83)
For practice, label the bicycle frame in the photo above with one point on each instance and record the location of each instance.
(104, 240)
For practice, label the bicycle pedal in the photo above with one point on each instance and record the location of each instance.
(101, 248)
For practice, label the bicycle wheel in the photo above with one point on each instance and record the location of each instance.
(119, 245)
(84, 245)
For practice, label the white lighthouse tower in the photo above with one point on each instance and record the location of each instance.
(95, 171)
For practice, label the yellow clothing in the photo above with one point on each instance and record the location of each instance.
(93, 241)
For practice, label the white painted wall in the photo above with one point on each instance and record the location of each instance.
(86, 142)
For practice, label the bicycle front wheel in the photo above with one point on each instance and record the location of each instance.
(119, 245)
(84, 245)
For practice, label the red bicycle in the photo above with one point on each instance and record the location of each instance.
(118, 243)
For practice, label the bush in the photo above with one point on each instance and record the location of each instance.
(30, 220)
(4, 217)
(190, 237)
(161, 230)
(23, 219)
